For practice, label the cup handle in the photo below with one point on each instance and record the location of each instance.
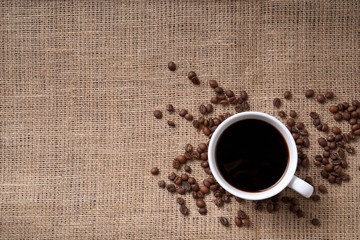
(301, 187)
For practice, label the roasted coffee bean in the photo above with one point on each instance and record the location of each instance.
(336, 130)
(277, 102)
(224, 102)
(351, 108)
(338, 180)
(209, 108)
(206, 131)
(196, 155)
(349, 149)
(184, 210)
(184, 176)
(329, 95)
(294, 208)
(328, 167)
(330, 138)
(322, 142)
(355, 127)
(338, 116)
(176, 164)
(282, 114)
(178, 180)
(293, 114)
(158, 114)
(204, 156)
(324, 127)
(194, 195)
(218, 202)
(243, 95)
(191, 74)
(325, 160)
(203, 211)
(245, 222)
(204, 164)
(314, 115)
(300, 125)
(204, 189)
(341, 107)
(191, 180)
(270, 207)
(224, 221)
(171, 123)
(322, 189)
(353, 114)
(309, 93)
(299, 213)
(345, 177)
(356, 103)
(172, 176)
(346, 116)
(303, 132)
(343, 163)
(180, 191)
(258, 206)
(202, 146)
(219, 90)
(299, 141)
(287, 94)
(213, 83)
(238, 222)
(187, 168)
(154, 171)
(233, 100)
(306, 142)
(315, 222)
(334, 156)
(188, 148)
(200, 203)
(206, 183)
(341, 153)
(309, 180)
(171, 188)
(225, 198)
(201, 120)
(318, 158)
(295, 136)
(333, 109)
(202, 109)
(242, 214)
(195, 80)
(206, 123)
(195, 187)
(320, 98)
(338, 137)
(324, 174)
(229, 93)
(217, 121)
(326, 154)
(316, 163)
(332, 145)
(171, 66)
(290, 122)
(316, 122)
(162, 184)
(338, 169)
(351, 135)
(331, 179)
(180, 201)
(239, 200)
(181, 159)
(220, 96)
(285, 199)
(183, 112)
(189, 117)
(186, 185)
(170, 108)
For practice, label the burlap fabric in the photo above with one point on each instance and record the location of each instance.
(79, 83)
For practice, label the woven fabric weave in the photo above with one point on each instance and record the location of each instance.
(79, 83)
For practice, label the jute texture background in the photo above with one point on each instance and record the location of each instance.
(79, 83)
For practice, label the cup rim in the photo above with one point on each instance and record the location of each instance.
(292, 163)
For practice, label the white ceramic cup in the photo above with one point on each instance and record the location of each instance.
(288, 179)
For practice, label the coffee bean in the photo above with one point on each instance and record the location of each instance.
(345, 177)
(171, 123)
(306, 142)
(209, 108)
(186, 185)
(224, 102)
(154, 171)
(245, 222)
(294, 208)
(214, 100)
(202, 146)
(270, 207)
(183, 112)
(229, 93)
(219, 90)
(316, 163)
(338, 169)
(204, 189)
(204, 164)
(206, 131)
(300, 213)
(244, 95)
(178, 180)
(225, 198)
(242, 214)
(349, 149)
(200, 203)
(353, 114)
(322, 142)
(338, 137)
(217, 121)
(282, 114)
(180, 201)
(293, 114)
(329, 95)
(171, 188)
(320, 98)
(202, 109)
(187, 168)
(290, 122)
(322, 189)
(303, 132)
(324, 127)
(191, 74)
(277, 102)
(351, 108)
(204, 156)
(324, 174)
(338, 116)
(326, 154)
(181, 191)
(195, 80)
(171, 66)
(346, 116)
(325, 160)
(194, 195)
(213, 83)
(309, 180)
(315, 198)
(195, 187)
(184, 210)
(170, 108)
(191, 180)
(318, 158)
(224, 221)
(295, 136)
(309, 93)
(334, 156)
(314, 115)
(332, 145)
(181, 159)
(184, 176)
(196, 155)
(355, 127)
(158, 114)
(189, 117)
(328, 167)
(333, 109)
(299, 141)
(203, 211)
(287, 94)
(356, 103)
(162, 184)
(238, 222)
(176, 164)
(315, 222)
(218, 202)
(300, 125)
(172, 176)
(220, 96)
(336, 130)
(258, 206)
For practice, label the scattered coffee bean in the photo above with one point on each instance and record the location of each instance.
(229, 93)
(294, 208)
(306, 142)
(293, 114)
(303, 132)
(202, 109)
(176, 164)
(243, 95)
(200, 203)
(191, 74)
(315, 198)
(181, 159)
(300, 125)
(320, 98)
(171, 66)
(219, 90)
(224, 102)
(206, 131)
(270, 207)
(189, 117)
(162, 184)
(181, 191)
(171, 188)
(299, 213)
(203, 211)
(209, 108)
(178, 180)
(309, 180)
(290, 122)
(224, 221)
(191, 180)
(309, 93)
(285, 199)
(154, 171)
(214, 100)
(314, 115)
(349, 149)
(238, 222)
(218, 202)
(245, 222)
(187, 168)
(322, 142)
(242, 214)
(338, 116)
(258, 206)
(336, 130)
(204, 189)
(287, 94)
(183, 112)
(315, 222)
(158, 114)
(333, 109)
(180, 201)
(170, 108)
(282, 114)
(277, 102)
(322, 189)
(329, 95)
(184, 210)
(171, 123)
(213, 84)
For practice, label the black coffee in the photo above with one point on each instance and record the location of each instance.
(251, 155)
